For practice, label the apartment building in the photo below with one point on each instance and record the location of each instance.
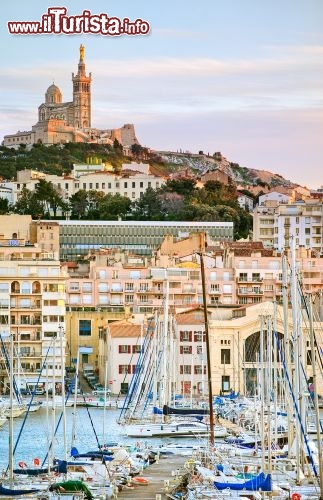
(115, 285)
(274, 224)
(129, 182)
(32, 313)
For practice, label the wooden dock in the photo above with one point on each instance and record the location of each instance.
(156, 474)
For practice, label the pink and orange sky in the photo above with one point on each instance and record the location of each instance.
(242, 77)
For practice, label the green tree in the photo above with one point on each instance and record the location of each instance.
(148, 207)
(28, 204)
(79, 204)
(47, 194)
(186, 187)
(111, 207)
(5, 206)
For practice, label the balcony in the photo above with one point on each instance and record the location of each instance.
(214, 291)
(189, 290)
(249, 291)
(246, 279)
(116, 290)
(34, 354)
(30, 306)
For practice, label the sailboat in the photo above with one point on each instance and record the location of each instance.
(147, 410)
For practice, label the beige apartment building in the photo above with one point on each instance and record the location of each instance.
(32, 313)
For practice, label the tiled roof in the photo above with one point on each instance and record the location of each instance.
(125, 329)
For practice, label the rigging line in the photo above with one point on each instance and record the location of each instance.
(140, 363)
(30, 402)
(309, 451)
(302, 296)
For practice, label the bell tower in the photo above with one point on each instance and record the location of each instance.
(82, 95)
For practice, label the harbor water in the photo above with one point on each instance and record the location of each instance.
(90, 429)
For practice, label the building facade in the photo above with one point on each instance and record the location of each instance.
(234, 341)
(274, 224)
(32, 314)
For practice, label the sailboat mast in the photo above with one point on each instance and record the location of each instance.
(290, 426)
(316, 402)
(297, 359)
(11, 405)
(208, 357)
(165, 345)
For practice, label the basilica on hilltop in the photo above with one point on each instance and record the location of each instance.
(60, 122)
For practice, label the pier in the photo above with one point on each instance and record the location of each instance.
(156, 475)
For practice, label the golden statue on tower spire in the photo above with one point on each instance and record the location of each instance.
(82, 49)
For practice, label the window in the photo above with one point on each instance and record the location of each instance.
(4, 287)
(103, 300)
(307, 230)
(185, 336)
(198, 370)
(185, 349)
(85, 327)
(87, 299)
(103, 287)
(225, 383)
(185, 369)
(226, 276)
(136, 349)
(91, 185)
(96, 185)
(199, 349)
(103, 185)
(199, 336)
(129, 299)
(124, 369)
(141, 184)
(225, 356)
(133, 184)
(74, 285)
(87, 287)
(125, 184)
(124, 349)
(135, 275)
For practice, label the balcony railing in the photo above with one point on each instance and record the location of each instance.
(249, 291)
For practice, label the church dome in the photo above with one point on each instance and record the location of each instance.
(53, 95)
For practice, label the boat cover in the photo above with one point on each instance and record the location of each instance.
(167, 410)
(261, 482)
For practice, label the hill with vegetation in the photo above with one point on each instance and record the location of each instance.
(178, 199)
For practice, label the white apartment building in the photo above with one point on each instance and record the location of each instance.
(130, 183)
(274, 225)
(32, 313)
